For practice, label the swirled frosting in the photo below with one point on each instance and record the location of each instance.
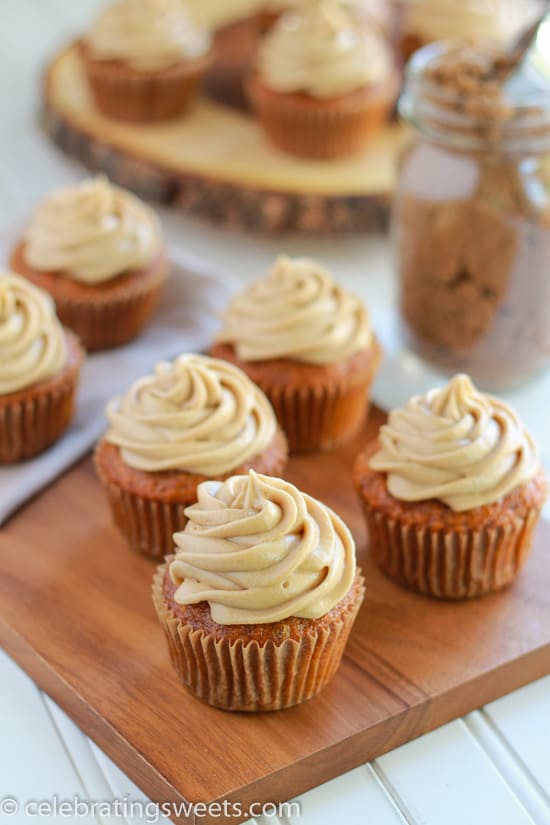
(296, 312)
(32, 341)
(92, 232)
(148, 35)
(322, 52)
(496, 20)
(196, 414)
(217, 13)
(258, 550)
(455, 445)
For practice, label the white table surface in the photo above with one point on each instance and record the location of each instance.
(491, 767)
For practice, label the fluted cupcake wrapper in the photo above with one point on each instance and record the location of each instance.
(316, 129)
(30, 425)
(147, 524)
(239, 676)
(112, 320)
(144, 98)
(450, 564)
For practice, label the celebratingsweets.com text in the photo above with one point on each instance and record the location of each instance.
(151, 812)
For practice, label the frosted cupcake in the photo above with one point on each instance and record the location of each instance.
(193, 419)
(323, 83)
(98, 250)
(452, 491)
(145, 59)
(308, 344)
(260, 598)
(39, 368)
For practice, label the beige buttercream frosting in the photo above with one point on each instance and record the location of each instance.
(455, 445)
(195, 414)
(215, 14)
(258, 550)
(323, 52)
(33, 347)
(92, 232)
(497, 20)
(296, 312)
(148, 35)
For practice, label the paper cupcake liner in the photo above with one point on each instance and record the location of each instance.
(112, 319)
(31, 424)
(320, 129)
(450, 564)
(148, 524)
(124, 94)
(246, 676)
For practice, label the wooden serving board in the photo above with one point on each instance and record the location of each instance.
(215, 162)
(76, 613)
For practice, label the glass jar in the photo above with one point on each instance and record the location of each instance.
(471, 223)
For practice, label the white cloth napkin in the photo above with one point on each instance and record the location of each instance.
(184, 321)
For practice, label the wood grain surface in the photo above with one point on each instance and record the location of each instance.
(76, 613)
(215, 162)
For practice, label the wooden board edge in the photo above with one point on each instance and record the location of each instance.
(282, 785)
(222, 203)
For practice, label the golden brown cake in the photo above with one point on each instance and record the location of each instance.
(194, 419)
(98, 250)
(258, 602)
(322, 83)
(452, 491)
(39, 368)
(308, 345)
(145, 59)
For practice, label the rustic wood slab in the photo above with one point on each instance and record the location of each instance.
(216, 163)
(76, 613)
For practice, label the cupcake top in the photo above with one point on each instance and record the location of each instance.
(92, 232)
(32, 342)
(296, 312)
(195, 415)
(258, 551)
(481, 19)
(321, 51)
(455, 445)
(217, 13)
(148, 35)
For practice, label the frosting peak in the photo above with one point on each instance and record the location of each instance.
(148, 35)
(296, 312)
(32, 341)
(456, 445)
(92, 232)
(196, 414)
(323, 52)
(258, 550)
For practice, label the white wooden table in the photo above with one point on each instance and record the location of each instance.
(491, 767)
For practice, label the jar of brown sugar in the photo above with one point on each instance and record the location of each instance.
(472, 213)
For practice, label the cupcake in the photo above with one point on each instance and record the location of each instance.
(452, 491)
(98, 251)
(258, 602)
(145, 59)
(308, 344)
(194, 419)
(323, 83)
(427, 21)
(39, 367)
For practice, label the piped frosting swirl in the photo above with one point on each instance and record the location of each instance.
(92, 232)
(497, 20)
(148, 35)
(296, 312)
(258, 550)
(321, 51)
(195, 414)
(32, 342)
(455, 445)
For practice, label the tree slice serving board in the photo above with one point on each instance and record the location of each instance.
(215, 162)
(76, 613)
